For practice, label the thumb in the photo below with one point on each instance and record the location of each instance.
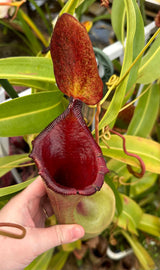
(43, 239)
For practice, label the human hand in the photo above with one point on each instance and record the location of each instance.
(27, 209)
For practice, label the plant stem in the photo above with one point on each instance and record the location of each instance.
(8, 88)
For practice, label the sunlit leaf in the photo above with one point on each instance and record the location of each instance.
(82, 8)
(9, 162)
(15, 188)
(148, 150)
(34, 42)
(150, 224)
(7, 193)
(134, 44)
(142, 255)
(119, 169)
(41, 262)
(145, 113)
(29, 114)
(146, 182)
(130, 216)
(150, 66)
(37, 84)
(118, 19)
(72, 246)
(58, 260)
(70, 7)
(118, 198)
(27, 68)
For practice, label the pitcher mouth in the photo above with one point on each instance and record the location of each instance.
(67, 156)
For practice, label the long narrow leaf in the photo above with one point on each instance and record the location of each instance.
(29, 48)
(150, 66)
(58, 260)
(145, 113)
(41, 262)
(42, 15)
(150, 224)
(147, 149)
(29, 114)
(34, 42)
(117, 19)
(119, 205)
(134, 44)
(119, 168)
(27, 68)
(39, 85)
(14, 188)
(69, 7)
(142, 255)
(130, 216)
(149, 179)
(9, 162)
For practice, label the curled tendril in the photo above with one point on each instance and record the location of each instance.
(105, 136)
(121, 181)
(113, 81)
(10, 234)
(130, 169)
(16, 4)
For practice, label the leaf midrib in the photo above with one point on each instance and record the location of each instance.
(29, 113)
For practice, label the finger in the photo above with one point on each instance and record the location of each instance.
(35, 189)
(43, 239)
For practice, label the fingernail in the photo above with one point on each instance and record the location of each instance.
(77, 233)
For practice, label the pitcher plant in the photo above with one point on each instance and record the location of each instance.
(66, 154)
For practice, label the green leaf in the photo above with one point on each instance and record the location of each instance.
(119, 168)
(42, 15)
(82, 8)
(131, 214)
(27, 68)
(145, 113)
(119, 205)
(70, 7)
(14, 188)
(29, 114)
(150, 66)
(142, 255)
(147, 181)
(147, 149)
(36, 84)
(118, 19)
(34, 42)
(9, 162)
(150, 224)
(72, 246)
(41, 262)
(29, 49)
(58, 260)
(134, 44)
(7, 193)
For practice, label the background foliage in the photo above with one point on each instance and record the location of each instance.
(136, 213)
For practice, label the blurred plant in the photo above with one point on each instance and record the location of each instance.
(137, 201)
(6, 5)
(25, 28)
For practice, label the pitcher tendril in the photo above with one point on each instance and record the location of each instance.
(16, 4)
(130, 169)
(104, 138)
(11, 234)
